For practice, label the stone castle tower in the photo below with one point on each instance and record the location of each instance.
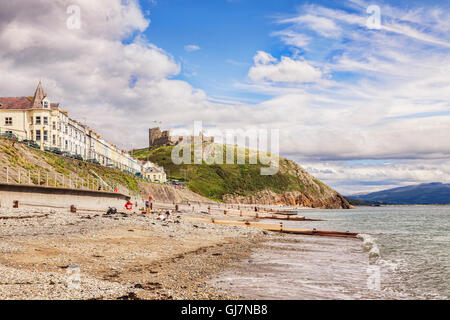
(157, 137)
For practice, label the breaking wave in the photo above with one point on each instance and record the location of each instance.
(369, 245)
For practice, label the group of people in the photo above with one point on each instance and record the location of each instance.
(148, 205)
(148, 209)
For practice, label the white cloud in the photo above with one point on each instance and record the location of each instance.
(321, 25)
(292, 38)
(89, 71)
(371, 177)
(191, 48)
(267, 68)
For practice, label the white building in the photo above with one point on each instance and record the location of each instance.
(153, 172)
(37, 119)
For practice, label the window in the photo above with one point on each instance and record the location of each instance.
(8, 121)
(45, 135)
(38, 120)
(54, 139)
(67, 144)
(45, 104)
(45, 120)
(38, 135)
(54, 125)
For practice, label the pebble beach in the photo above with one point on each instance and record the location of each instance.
(48, 253)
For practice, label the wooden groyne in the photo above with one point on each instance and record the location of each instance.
(288, 218)
(279, 228)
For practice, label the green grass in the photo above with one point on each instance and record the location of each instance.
(17, 157)
(216, 180)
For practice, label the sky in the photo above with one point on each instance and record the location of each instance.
(362, 103)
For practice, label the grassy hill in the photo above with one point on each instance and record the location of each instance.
(15, 156)
(244, 181)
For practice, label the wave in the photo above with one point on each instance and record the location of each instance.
(369, 245)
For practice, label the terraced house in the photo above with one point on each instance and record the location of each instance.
(37, 119)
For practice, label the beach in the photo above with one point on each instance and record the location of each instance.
(48, 253)
(54, 254)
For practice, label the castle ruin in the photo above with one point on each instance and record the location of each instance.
(163, 138)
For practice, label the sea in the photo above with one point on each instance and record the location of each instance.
(402, 252)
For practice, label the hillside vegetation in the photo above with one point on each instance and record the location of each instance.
(15, 156)
(243, 183)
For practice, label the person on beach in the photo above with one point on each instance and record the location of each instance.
(150, 199)
(129, 206)
(147, 207)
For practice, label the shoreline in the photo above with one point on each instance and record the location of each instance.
(115, 257)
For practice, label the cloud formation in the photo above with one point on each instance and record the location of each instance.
(191, 47)
(358, 94)
(267, 68)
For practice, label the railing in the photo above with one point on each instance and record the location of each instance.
(51, 179)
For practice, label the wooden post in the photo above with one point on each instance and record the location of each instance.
(19, 177)
(73, 209)
(39, 178)
(16, 204)
(47, 180)
(29, 177)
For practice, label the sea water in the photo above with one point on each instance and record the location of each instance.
(403, 252)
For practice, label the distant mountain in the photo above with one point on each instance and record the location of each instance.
(427, 193)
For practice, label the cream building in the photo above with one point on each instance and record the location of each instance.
(38, 119)
(153, 172)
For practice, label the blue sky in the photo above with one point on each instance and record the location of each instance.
(361, 107)
(228, 33)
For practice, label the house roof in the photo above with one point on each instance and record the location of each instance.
(39, 95)
(15, 103)
(20, 103)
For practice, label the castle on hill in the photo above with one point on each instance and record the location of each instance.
(163, 138)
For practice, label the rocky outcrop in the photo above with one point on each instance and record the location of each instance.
(309, 192)
(291, 198)
(168, 193)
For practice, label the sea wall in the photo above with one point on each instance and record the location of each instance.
(29, 195)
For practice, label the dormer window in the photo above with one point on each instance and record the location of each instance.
(46, 104)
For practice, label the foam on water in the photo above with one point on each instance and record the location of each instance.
(404, 254)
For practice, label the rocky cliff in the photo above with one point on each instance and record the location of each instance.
(310, 192)
(290, 198)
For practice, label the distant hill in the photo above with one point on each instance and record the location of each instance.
(359, 203)
(427, 193)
